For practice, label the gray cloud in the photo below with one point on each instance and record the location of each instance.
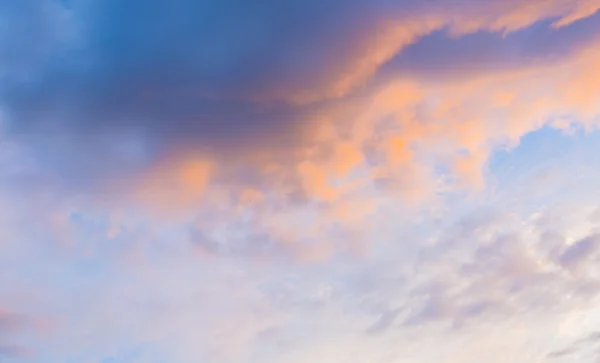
(385, 321)
(589, 341)
(579, 251)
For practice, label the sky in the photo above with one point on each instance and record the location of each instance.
(341, 181)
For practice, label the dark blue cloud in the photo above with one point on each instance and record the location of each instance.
(178, 73)
(185, 74)
(440, 55)
(29, 31)
(174, 67)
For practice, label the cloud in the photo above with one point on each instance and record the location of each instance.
(578, 252)
(436, 56)
(12, 351)
(10, 325)
(231, 182)
(96, 128)
(10, 321)
(577, 346)
(199, 308)
(434, 286)
(108, 93)
(383, 323)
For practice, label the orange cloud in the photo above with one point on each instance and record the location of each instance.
(314, 181)
(460, 122)
(174, 185)
(580, 10)
(407, 138)
(346, 158)
(408, 127)
(393, 32)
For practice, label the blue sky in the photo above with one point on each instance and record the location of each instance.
(283, 181)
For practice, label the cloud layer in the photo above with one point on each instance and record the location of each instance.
(129, 84)
(298, 181)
